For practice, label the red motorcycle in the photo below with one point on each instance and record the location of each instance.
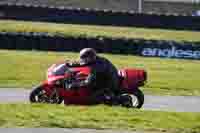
(55, 89)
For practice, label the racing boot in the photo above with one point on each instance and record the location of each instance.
(126, 100)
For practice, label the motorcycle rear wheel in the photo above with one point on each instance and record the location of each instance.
(38, 95)
(135, 100)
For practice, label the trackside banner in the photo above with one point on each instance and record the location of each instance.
(139, 47)
(173, 51)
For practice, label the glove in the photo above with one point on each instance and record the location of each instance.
(74, 86)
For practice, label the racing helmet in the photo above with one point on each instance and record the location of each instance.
(87, 55)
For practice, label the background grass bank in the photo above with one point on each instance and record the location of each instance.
(165, 76)
(95, 31)
(98, 117)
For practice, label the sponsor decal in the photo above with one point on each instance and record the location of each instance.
(171, 53)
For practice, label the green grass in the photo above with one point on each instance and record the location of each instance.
(94, 31)
(165, 76)
(98, 117)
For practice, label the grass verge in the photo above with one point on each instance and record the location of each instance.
(98, 117)
(165, 76)
(94, 31)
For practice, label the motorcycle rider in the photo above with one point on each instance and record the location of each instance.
(103, 77)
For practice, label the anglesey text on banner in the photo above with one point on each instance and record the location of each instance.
(171, 53)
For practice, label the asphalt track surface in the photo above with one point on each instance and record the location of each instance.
(162, 103)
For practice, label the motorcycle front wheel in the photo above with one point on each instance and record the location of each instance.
(38, 95)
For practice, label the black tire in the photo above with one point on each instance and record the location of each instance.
(37, 92)
(34, 93)
(140, 96)
(127, 99)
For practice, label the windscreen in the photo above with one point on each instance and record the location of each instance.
(59, 69)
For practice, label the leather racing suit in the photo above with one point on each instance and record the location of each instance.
(103, 78)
